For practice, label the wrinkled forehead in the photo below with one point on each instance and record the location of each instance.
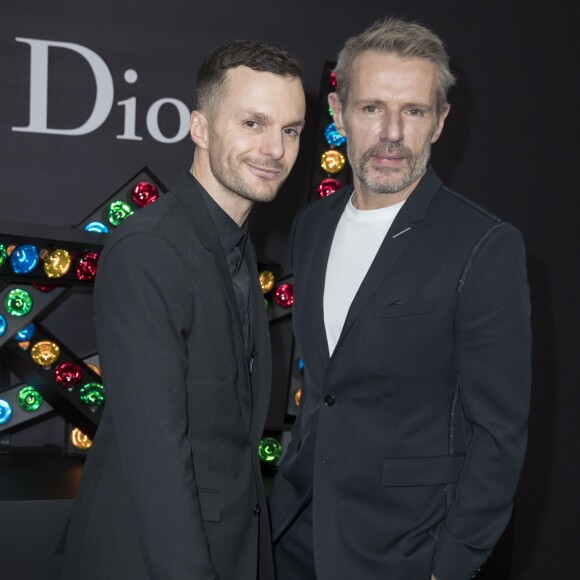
(375, 73)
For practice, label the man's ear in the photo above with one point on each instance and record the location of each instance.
(440, 123)
(198, 129)
(336, 108)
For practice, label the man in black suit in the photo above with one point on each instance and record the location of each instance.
(412, 314)
(172, 487)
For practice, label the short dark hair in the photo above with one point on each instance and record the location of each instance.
(403, 39)
(253, 54)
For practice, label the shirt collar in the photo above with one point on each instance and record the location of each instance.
(229, 233)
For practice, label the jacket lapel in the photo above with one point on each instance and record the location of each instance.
(397, 239)
(316, 276)
(187, 193)
(261, 375)
(394, 244)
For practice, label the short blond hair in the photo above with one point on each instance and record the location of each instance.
(400, 38)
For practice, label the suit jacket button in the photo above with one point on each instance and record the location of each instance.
(256, 510)
(329, 400)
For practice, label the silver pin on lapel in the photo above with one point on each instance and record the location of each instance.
(401, 232)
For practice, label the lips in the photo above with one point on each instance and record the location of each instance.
(388, 160)
(265, 171)
(388, 156)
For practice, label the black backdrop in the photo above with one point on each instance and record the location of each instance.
(509, 144)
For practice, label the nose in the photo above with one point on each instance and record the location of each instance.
(273, 144)
(392, 128)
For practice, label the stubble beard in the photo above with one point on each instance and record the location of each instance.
(389, 181)
(228, 172)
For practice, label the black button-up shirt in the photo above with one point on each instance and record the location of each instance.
(233, 240)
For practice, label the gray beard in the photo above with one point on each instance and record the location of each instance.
(387, 183)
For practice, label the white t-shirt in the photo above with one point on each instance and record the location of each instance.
(356, 242)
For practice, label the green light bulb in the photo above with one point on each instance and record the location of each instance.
(3, 254)
(118, 211)
(269, 449)
(29, 399)
(18, 302)
(92, 394)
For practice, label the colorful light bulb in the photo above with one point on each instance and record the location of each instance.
(3, 325)
(284, 295)
(5, 411)
(79, 440)
(67, 374)
(332, 161)
(266, 281)
(92, 394)
(57, 263)
(98, 227)
(333, 137)
(297, 396)
(144, 193)
(29, 399)
(18, 302)
(45, 353)
(26, 333)
(23, 259)
(328, 186)
(300, 365)
(43, 287)
(87, 266)
(3, 254)
(95, 369)
(269, 449)
(118, 211)
(332, 80)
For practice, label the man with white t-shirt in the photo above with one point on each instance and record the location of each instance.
(412, 314)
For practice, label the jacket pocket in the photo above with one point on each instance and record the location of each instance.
(209, 502)
(400, 309)
(421, 472)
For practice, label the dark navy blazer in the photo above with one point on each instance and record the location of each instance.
(411, 437)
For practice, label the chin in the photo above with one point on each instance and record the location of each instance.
(266, 197)
(255, 195)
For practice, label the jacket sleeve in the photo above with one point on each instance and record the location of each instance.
(144, 307)
(493, 341)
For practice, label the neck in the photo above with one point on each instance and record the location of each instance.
(234, 205)
(364, 199)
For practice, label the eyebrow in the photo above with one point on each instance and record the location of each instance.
(378, 102)
(265, 119)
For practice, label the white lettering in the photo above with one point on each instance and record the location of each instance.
(104, 97)
(38, 122)
(130, 105)
(153, 120)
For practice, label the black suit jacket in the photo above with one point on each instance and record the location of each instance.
(172, 486)
(411, 436)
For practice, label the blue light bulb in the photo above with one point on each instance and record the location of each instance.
(24, 259)
(3, 325)
(5, 411)
(98, 227)
(333, 137)
(26, 333)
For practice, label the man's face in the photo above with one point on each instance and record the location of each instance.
(390, 122)
(253, 133)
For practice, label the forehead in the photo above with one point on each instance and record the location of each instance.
(377, 75)
(265, 92)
